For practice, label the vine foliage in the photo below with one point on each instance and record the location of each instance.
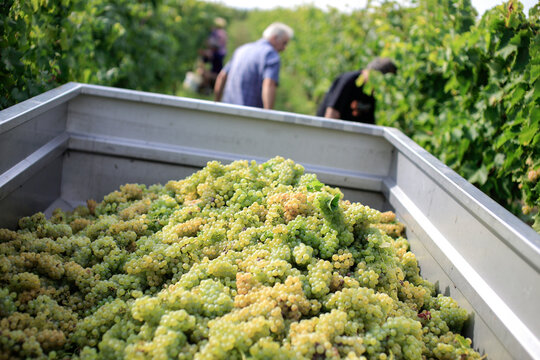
(142, 45)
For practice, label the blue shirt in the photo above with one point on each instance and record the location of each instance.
(249, 66)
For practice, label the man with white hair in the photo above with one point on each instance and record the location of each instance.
(251, 76)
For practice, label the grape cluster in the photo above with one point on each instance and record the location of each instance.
(237, 261)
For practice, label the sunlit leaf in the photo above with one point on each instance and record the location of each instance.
(333, 204)
(480, 176)
(528, 134)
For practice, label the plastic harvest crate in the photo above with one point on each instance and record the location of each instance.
(80, 142)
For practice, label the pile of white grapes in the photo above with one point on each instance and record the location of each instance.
(237, 261)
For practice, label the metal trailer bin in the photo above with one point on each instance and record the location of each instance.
(80, 142)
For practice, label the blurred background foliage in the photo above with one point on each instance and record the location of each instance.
(143, 45)
(467, 87)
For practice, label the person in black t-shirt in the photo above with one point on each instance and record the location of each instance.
(347, 101)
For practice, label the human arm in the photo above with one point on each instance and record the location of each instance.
(331, 113)
(268, 93)
(220, 85)
(270, 76)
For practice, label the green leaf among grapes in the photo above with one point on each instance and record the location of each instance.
(333, 204)
(315, 185)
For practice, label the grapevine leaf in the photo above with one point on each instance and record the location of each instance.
(506, 51)
(333, 204)
(528, 134)
(517, 96)
(451, 84)
(535, 115)
(35, 4)
(536, 139)
(535, 72)
(315, 185)
(480, 176)
(494, 94)
(536, 94)
(499, 159)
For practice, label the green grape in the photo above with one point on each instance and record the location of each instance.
(236, 261)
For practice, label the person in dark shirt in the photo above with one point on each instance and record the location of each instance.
(217, 43)
(347, 101)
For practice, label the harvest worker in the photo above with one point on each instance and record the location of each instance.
(216, 49)
(346, 98)
(252, 75)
